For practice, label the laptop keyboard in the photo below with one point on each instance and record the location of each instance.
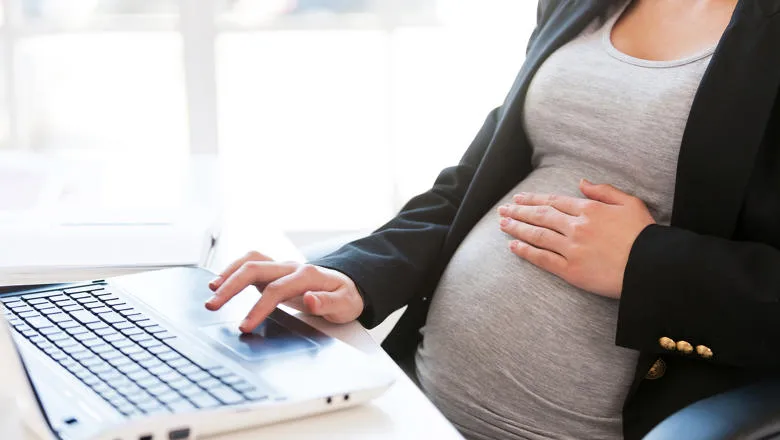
(121, 354)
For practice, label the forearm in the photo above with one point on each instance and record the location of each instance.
(704, 290)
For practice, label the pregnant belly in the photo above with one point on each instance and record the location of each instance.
(518, 344)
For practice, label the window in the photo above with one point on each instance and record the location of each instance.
(341, 108)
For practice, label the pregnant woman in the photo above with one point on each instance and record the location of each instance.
(608, 249)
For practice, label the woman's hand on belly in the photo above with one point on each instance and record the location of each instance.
(584, 241)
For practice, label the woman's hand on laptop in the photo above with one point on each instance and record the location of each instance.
(311, 289)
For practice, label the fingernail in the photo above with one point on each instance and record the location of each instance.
(503, 209)
(519, 198)
(585, 182)
(215, 282)
(514, 244)
(245, 326)
(504, 222)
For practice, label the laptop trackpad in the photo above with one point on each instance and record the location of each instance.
(269, 339)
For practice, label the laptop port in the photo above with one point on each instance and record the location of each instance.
(146, 437)
(329, 400)
(179, 434)
(346, 397)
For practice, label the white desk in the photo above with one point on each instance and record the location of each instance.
(402, 413)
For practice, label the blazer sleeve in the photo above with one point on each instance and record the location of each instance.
(722, 294)
(389, 265)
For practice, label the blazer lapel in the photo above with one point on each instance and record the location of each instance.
(727, 121)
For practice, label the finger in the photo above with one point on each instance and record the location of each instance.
(536, 236)
(544, 216)
(234, 266)
(543, 259)
(604, 193)
(564, 204)
(250, 273)
(283, 289)
(333, 306)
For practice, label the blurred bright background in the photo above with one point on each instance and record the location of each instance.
(330, 113)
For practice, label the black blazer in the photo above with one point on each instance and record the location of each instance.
(711, 278)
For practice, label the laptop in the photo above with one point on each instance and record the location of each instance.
(139, 357)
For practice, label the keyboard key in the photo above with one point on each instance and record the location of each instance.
(180, 384)
(181, 406)
(197, 376)
(112, 337)
(144, 324)
(122, 307)
(42, 304)
(159, 390)
(231, 379)
(132, 331)
(170, 377)
(131, 349)
(109, 316)
(74, 291)
(20, 309)
(204, 400)
(81, 333)
(169, 397)
(113, 354)
(101, 368)
(30, 314)
(161, 370)
(67, 342)
(150, 363)
(85, 301)
(101, 292)
(179, 362)
(92, 342)
(136, 318)
(210, 383)
(141, 356)
(122, 343)
(226, 395)
(84, 316)
(37, 301)
(105, 332)
(58, 298)
(84, 293)
(114, 302)
(159, 349)
(58, 317)
(255, 395)
(169, 356)
(139, 375)
(149, 382)
(129, 368)
(123, 325)
(101, 348)
(140, 337)
(97, 325)
(190, 391)
(119, 361)
(101, 309)
(155, 328)
(48, 331)
(68, 324)
(38, 322)
(92, 305)
(150, 343)
(150, 405)
(129, 312)
(13, 303)
(72, 308)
